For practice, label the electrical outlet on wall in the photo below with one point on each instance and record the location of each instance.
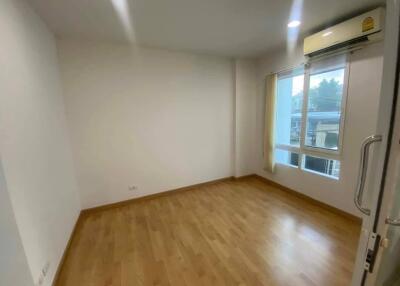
(132, 188)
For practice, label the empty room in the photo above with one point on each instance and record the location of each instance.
(199, 143)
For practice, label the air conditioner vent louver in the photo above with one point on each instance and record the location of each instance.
(340, 46)
(349, 33)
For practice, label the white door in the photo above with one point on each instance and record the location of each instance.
(387, 271)
(378, 191)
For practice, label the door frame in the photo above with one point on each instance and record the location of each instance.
(379, 192)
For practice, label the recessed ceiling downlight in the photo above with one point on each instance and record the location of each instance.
(294, 24)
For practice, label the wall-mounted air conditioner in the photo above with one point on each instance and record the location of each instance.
(364, 28)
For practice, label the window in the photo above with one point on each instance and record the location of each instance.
(309, 116)
(286, 158)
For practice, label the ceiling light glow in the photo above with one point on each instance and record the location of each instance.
(121, 7)
(326, 34)
(294, 24)
(294, 21)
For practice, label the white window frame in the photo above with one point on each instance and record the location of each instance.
(318, 152)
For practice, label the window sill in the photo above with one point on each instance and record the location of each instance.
(287, 165)
(321, 174)
(309, 171)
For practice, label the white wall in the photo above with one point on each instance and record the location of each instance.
(360, 121)
(14, 268)
(34, 144)
(245, 116)
(151, 113)
(155, 119)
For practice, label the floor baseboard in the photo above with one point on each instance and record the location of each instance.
(66, 250)
(310, 199)
(244, 177)
(188, 188)
(152, 196)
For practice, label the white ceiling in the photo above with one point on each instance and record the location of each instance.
(223, 27)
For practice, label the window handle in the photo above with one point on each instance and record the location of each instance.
(362, 173)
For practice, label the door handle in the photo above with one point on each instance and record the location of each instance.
(394, 222)
(362, 173)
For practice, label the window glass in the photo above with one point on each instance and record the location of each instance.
(286, 157)
(289, 108)
(328, 167)
(324, 109)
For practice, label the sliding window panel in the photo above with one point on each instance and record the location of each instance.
(325, 104)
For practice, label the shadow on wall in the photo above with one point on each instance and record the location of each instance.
(14, 268)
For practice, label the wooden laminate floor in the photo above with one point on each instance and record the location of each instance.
(242, 232)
